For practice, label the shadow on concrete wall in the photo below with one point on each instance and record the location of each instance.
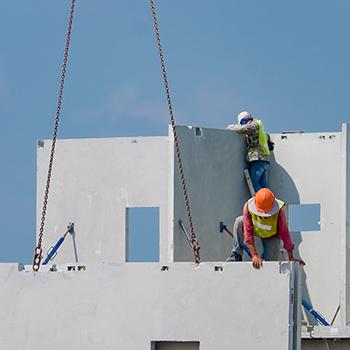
(283, 186)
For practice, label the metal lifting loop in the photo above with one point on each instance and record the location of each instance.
(38, 249)
(194, 241)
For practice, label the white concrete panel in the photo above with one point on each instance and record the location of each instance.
(306, 169)
(127, 306)
(93, 181)
(214, 164)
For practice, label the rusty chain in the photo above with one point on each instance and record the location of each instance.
(38, 249)
(194, 241)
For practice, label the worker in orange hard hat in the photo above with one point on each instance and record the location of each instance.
(264, 217)
(259, 146)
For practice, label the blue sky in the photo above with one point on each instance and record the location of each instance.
(286, 62)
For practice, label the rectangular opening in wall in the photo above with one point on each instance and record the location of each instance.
(175, 345)
(304, 217)
(142, 234)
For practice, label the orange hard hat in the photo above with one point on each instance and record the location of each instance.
(264, 200)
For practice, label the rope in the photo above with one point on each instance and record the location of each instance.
(38, 249)
(194, 241)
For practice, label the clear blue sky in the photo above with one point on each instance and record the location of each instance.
(286, 62)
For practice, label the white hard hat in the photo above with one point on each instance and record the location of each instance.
(244, 115)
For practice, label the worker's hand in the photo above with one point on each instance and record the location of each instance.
(231, 127)
(257, 261)
(300, 261)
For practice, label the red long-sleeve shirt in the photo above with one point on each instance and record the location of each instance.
(282, 229)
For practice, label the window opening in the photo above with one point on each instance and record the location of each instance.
(304, 217)
(175, 345)
(142, 234)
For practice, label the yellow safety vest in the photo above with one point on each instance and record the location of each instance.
(263, 139)
(266, 227)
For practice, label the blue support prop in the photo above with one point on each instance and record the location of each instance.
(315, 313)
(53, 251)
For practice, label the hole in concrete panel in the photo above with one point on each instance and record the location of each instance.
(219, 268)
(304, 217)
(198, 132)
(164, 268)
(175, 345)
(142, 234)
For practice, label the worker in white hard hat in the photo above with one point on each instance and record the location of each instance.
(258, 149)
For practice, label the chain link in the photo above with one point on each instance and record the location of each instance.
(194, 241)
(38, 249)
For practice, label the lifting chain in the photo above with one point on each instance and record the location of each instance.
(194, 241)
(38, 249)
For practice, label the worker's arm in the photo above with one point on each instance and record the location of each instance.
(243, 129)
(256, 260)
(249, 237)
(284, 235)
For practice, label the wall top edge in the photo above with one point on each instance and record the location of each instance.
(282, 268)
(120, 139)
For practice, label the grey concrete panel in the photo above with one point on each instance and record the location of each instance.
(214, 162)
(127, 306)
(306, 169)
(93, 182)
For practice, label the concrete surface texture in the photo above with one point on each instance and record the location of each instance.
(93, 182)
(128, 306)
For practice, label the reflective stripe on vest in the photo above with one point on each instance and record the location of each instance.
(265, 227)
(263, 139)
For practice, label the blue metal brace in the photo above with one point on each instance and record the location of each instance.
(53, 250)
(315, 313)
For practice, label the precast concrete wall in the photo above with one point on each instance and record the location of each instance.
(93, 182)
(306, 169)
(214, 161)
(136, 305)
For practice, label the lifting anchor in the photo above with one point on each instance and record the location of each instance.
(51, 254)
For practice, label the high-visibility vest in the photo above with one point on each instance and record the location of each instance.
(263, 139)
(266, 227)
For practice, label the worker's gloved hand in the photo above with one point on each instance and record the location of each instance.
(300, 261)
(257, 261)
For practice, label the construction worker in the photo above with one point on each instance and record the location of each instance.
(257, 148)
(263, 216)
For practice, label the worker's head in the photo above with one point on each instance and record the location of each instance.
(244, 117)
(264, 203)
